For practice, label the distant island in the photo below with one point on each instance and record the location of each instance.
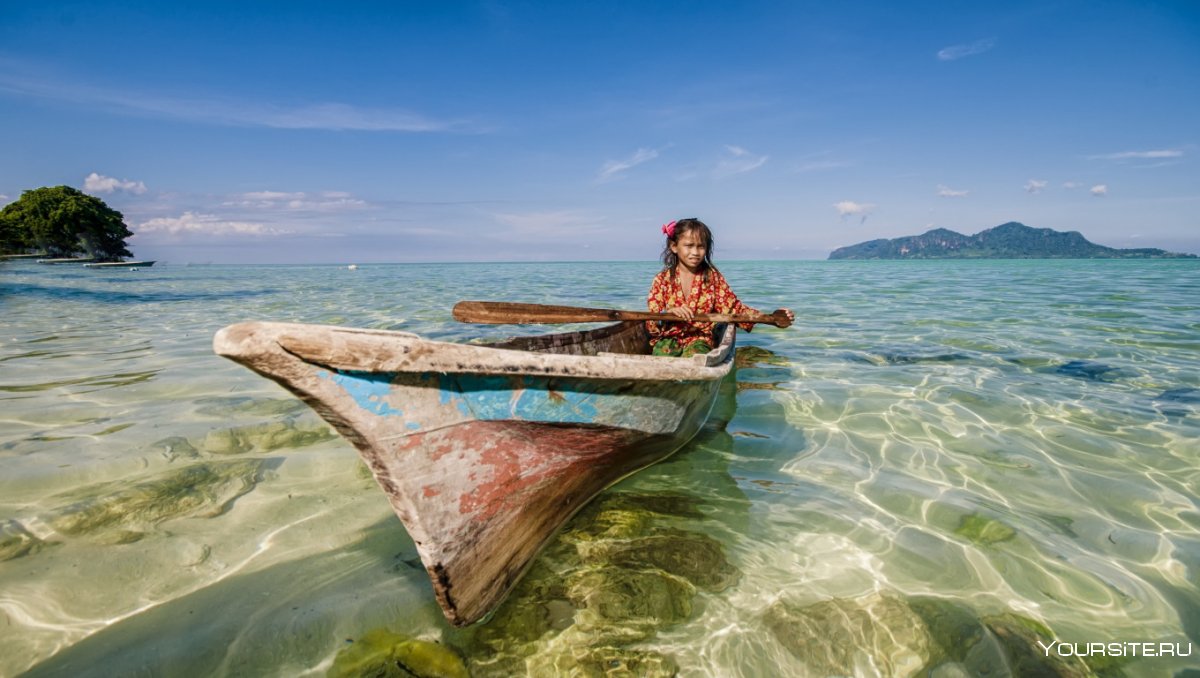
(1006, 241)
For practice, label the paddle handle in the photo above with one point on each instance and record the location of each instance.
(503, 312)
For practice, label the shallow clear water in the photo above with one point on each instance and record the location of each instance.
(935, 448)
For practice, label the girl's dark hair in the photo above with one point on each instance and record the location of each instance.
(689, 225)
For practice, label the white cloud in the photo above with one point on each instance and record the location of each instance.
(1035, 186)
(206, 224)
(1140, 155)
(1070, 185)
(3, 198)
(738, 161)
(614, 169)
(98, 183)
(271, 195)
(848, 208)
(1100, 190)
(327, 201)
(959, 51)
(947, 192)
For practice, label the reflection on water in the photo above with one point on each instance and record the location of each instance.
(943, 466)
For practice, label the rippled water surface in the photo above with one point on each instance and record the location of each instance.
(945, 466)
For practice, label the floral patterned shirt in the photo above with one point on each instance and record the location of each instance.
(709, 294)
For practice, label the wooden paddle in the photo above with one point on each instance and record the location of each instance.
(504, 312)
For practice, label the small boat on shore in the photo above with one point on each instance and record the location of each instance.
(120, 264)
(486, 450)
(66, 260)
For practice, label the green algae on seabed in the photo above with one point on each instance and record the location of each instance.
(224, 407)
(984, 531)
(259, 438)
(702, 563)
(383, 654)
(622, 606)
(16, 541)
(175, 447)
(265, 437)
(616, 576)
(604, 662)
(204, 489)
(991, 646)
(749, 359)
(884, 633)
(757, 356)
(875, 634)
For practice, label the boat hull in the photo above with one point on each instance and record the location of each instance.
(485, 452)
(120, 264)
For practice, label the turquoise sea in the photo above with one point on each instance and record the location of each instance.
(944, 468)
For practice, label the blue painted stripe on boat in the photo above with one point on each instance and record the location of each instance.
(368, 389)
(496, 397)
(568, 406)
(450, 394)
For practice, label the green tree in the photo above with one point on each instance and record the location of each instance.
(10, 242)
(63, 222)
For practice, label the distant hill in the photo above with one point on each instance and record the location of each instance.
(1006, 241)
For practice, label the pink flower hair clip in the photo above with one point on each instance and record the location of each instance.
(669, 229)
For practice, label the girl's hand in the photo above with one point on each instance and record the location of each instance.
(681, 312)
(788, 313)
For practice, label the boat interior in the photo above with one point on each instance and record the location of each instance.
(625, 338)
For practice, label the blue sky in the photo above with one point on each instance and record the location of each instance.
(480, 131)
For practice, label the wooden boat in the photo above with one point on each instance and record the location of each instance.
(485, 450)
(119, 264)
(66, 260)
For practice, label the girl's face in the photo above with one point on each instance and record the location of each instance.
(690, 249)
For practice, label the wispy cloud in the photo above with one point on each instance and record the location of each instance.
(959, 51)
(1100, 190)
(1071, 185)
(563, 224)
(1140, 155)
(270, 196)
(1035, 186)
(819, 165)
(191, 223)
(849, 208)
(738, 161)
(615, 169)
(232, 112)
(326, 201)
(947, 192)
(98, 183)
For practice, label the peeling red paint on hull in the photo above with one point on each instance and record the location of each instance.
(507, 487)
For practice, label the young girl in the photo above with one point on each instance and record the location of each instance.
(687, 285)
